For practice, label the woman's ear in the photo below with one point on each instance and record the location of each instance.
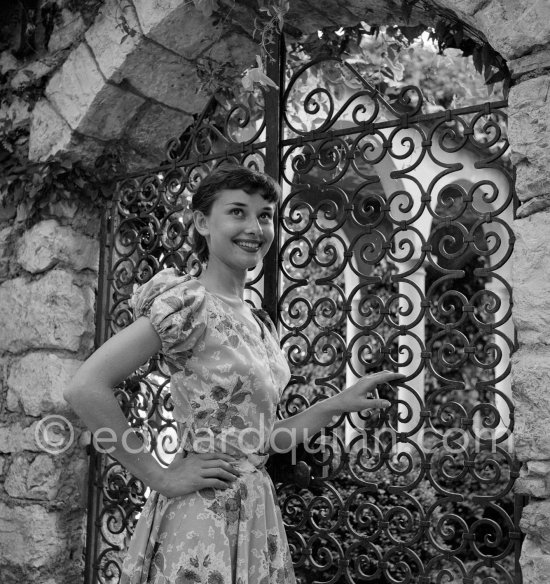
(201, 222)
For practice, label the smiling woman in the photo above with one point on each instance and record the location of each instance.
(212, 515)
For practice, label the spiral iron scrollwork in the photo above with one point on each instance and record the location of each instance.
(393, 253)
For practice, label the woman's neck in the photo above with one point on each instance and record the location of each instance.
(223, 282)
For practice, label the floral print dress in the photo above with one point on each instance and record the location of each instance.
(227, 375)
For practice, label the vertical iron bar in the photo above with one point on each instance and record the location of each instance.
(520, 501)
(96, 460)
(273, 119)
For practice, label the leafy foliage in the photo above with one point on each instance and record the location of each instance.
(34, 188)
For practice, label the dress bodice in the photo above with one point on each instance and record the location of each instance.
(227, 374)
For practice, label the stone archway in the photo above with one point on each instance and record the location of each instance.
(136, 90)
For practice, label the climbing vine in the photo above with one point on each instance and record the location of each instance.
(35, 188)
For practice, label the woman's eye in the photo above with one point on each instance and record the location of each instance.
(266, 217)
(237, 212)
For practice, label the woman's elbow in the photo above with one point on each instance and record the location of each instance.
(73, 391)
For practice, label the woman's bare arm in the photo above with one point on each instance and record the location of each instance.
(91, 395)
(296, 429)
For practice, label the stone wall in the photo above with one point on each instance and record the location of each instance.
(106, 85)
(48, 280)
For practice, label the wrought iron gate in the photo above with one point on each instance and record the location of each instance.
(394, 242)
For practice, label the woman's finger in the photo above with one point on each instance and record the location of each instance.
(219, 473)
(369, 382)
(216, 456)
(215, 484)
(217, 463)
(373, 404)
(384, 377)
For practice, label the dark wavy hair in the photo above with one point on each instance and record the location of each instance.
(229, 176)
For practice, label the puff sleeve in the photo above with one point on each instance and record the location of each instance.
(174, 304)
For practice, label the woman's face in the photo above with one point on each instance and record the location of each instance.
(239, 228)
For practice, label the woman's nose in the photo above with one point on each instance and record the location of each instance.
(253, 225)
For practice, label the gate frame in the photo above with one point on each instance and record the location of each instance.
(274, 145)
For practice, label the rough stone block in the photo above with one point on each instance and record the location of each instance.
(114, 34)
(178, 26)
(535, 521)
(74, 88)
(155, 126)
(534, 62)
(48, 243)
(512, 27)
(73, 488)
(163, 76)
(37, 479)
(69, 28)
(530, 382)
(529, 133)
(153, 71)
(15, 483)
(152, 14)
(532, 487)
(237, 49)
(38, 381)
(531, 285)
(534, 479)
(51, 312)
(80, 93)
(30, 536)
(534, 205)
(534, 561)
(537, 467)
(17, 438)
(49, 134)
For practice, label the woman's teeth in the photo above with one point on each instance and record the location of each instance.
(248, 245)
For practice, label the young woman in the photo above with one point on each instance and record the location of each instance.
(212, 516)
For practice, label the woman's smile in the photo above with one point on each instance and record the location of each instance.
(249, 245)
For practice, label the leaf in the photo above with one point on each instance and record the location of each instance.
(458, 36)
(257, 75)
(238, 398)
(478, 60)
(219, 393)
(174, 303)
(238, 422)
(496, 77)
(203, 414)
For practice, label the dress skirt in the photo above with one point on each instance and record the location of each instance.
(212, 536)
